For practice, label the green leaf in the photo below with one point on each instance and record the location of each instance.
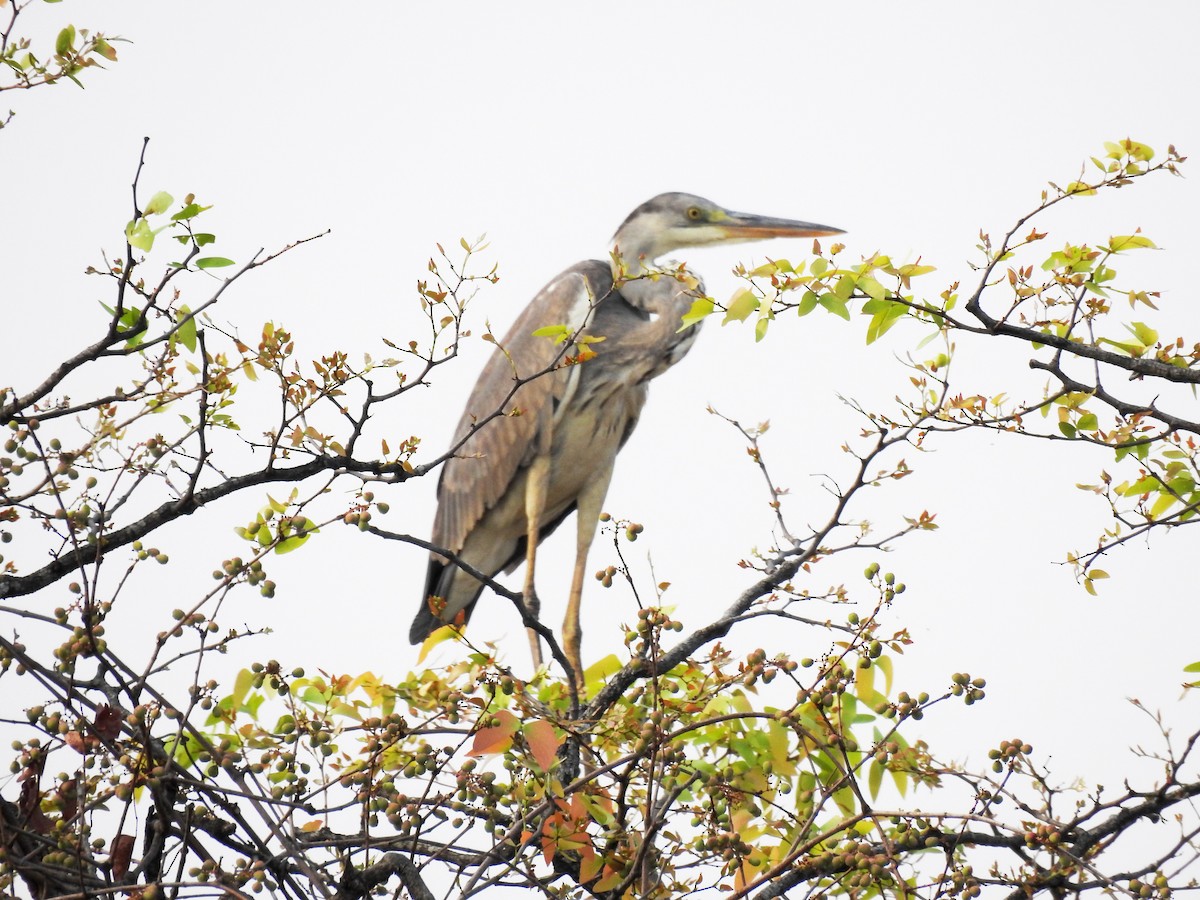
(884, 314)
(186, 332)
(835, 305)
(158, 204)
(105, 49)
(65, 41)
(189, 212)
(884, 665)
(139, 235)
(844, 288)
(1067, 429)
(807, 303)
(307, 529)
(874, 778)
(1088, 422)
(213, 262)
(595, 808)
(871, 287)
(702, 307)
(1146, 485)
(129, 321)
(760, 328)
(844, 798)
(242, 684)
(744, 303)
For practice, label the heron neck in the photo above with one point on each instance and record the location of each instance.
(669, 295)
(638, 246)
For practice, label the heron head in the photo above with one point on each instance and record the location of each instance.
(672, 221)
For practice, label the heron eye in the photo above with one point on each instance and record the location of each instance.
(693, 213)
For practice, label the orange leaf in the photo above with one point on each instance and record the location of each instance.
(589, 865)
(550, 830)
(577, 808)
(543, 743)
(496, 738)
(612, 877)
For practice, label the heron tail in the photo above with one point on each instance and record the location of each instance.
(426, 622)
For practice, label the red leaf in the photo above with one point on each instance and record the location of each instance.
(543, 743)
(108, 723)
(122, 851)
(30, 802)
(496, 738)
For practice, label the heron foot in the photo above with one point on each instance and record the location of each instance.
(533, 606)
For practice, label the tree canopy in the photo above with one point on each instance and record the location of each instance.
(172, 762)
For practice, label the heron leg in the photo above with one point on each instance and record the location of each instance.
(537, 481)
(588, 505)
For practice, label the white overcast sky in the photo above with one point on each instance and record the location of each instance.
(398, 125)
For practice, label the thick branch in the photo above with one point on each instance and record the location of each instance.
(20, 585)
(1124, 408)
(361, 882)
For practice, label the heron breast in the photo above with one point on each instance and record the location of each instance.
(587, 440)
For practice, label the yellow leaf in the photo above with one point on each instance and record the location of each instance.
(445, 633)
(595, 675)
(1119, 242)
(864, 686)
(159, 203)
(744, 302)
(559, 332)
(701, 308)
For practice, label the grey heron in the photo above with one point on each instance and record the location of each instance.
(518, 476)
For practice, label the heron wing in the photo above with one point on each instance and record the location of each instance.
(487, 463)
